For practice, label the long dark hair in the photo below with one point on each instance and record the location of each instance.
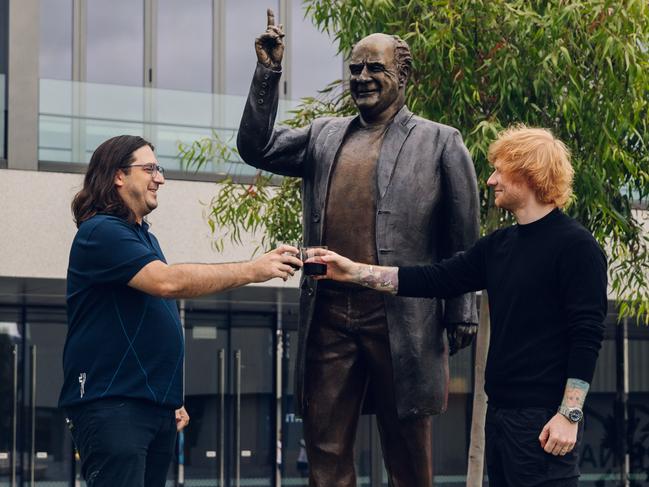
(99, 194)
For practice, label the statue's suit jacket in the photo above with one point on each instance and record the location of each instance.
(427, 210)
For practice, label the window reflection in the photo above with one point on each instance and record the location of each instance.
(4, 52)
(4, 37)
(184, 51)
(55, 54)
(314, 59)
(115, 42)
(244, 21)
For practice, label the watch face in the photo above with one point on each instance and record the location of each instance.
(575, 415)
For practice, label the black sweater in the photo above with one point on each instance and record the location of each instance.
(547, 298)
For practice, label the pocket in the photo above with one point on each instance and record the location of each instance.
(77, 423)
(567, 465)
(72, 428)
(535, 417)
(104, 425)
(522, 450)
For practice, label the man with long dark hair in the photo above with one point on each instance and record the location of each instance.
(123, 355)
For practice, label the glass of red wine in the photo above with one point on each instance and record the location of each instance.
(315, 267)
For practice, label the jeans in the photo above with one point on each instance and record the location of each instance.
(123, 442)
(514, 454)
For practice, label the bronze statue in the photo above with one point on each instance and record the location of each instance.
(384, 187)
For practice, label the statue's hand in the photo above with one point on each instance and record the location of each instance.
(270, 45)
(460, 335)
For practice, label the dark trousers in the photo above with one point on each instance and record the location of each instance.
(514, 454)
(348, 361)
(123, 442)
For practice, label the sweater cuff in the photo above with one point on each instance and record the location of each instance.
(408, 279)
(581, 365)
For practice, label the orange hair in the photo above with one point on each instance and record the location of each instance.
(537, 157)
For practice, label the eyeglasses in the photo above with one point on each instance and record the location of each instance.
(150, 168)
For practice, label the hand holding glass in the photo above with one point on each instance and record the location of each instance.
(314, 266)
(297, 255)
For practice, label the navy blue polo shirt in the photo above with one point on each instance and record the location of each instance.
(121, 342)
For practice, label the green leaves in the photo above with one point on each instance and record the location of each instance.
(205, 150)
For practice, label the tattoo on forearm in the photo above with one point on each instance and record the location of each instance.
(575, 393)
(384, 279)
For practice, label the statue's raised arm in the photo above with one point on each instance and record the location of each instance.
(269, 46)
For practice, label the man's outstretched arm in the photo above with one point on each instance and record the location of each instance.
(448, 278)
(339, 268)
(191, 280)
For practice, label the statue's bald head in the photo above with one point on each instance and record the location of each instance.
(399, 47)
(379, 67)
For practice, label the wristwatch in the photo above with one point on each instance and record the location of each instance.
(574, 415)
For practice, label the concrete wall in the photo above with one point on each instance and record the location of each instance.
(36, 226)
(22, 87)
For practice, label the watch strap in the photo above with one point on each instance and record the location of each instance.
(566, 411)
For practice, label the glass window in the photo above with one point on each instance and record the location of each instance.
(115, 42)
(604, 378)
(4, 37)
(451, 436)
(257, 355)
(184, 50)
(639, 362)
(4, 53)
(55, 53)
(314, 59)
(244, 21)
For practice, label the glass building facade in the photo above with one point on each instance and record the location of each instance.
(175, 71)
(4, 63)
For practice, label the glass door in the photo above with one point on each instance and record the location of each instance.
(48, 444)
(35, 447)
(204, 446)
(253, 448)
(229, 397)
(9, 349)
